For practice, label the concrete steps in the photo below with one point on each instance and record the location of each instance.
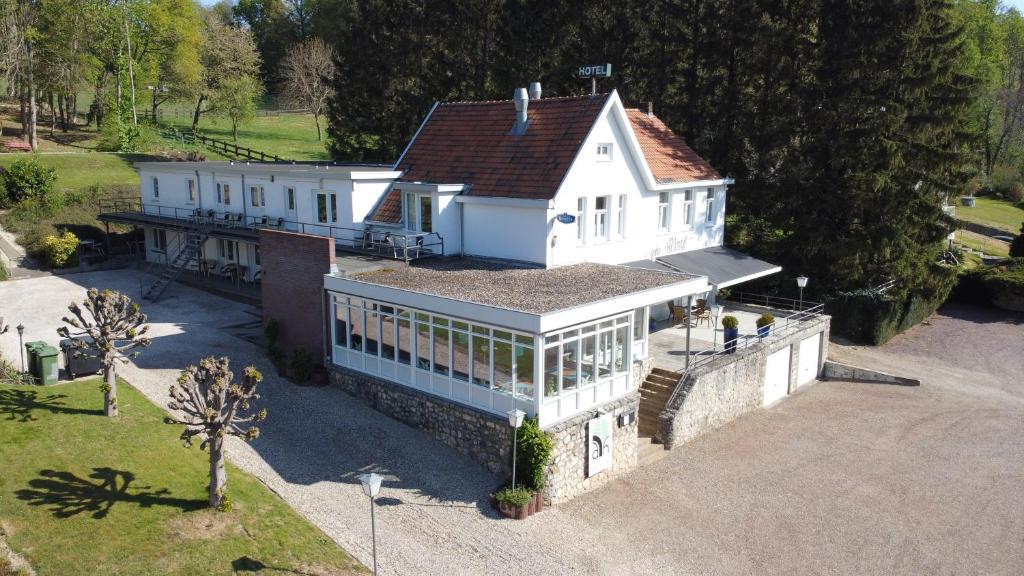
(649, 451)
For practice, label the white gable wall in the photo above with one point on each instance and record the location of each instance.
(504, 231)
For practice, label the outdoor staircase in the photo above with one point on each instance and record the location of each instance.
(654, 394)
(195, 238)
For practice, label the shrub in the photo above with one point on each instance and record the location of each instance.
(26, 179)
(61, 250)
(730, 322)
(534, 449)
(3, 271)
(1016, 193)
(300, 366)
(518, 496)
(1017, 246)
(271, 334)
(765, 320)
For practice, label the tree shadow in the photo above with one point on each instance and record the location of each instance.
(19, 404)
(67, 495)
(247, 564)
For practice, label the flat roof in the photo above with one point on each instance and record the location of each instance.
(323, 169)
(723, 266)
(521, 287)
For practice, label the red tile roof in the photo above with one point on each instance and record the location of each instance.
(389, 210)
(670, 159)
(472, 143)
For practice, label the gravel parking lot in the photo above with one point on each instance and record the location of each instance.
(841, 478)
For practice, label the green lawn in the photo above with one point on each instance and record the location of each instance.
(83, 494)
(80, 170)
(291, 136)
(983, 243)
(993, 212)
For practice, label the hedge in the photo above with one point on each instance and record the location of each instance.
(874, 319)
(1001, 285)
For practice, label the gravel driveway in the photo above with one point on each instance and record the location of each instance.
(841, 478)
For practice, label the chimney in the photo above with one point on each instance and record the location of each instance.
(521, 101)
(534, 90)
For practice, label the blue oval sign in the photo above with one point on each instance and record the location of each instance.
(566, 218)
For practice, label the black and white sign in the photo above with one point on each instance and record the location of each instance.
(599, 449)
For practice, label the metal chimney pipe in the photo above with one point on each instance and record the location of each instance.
(522, 101)
(534, 90)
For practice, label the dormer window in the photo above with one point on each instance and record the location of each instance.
(604, 152)
(418, 212)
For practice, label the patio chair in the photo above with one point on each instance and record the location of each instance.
(264, 222)
(679, 314)
(702, 312)
(279, 224)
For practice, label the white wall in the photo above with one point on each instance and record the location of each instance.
(501, 231)
(591, 177)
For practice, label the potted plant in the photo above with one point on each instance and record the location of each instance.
(764, 325)
(518, 502)
(731, 329)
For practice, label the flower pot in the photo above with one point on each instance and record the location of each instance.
(764, 331)
(731, 334)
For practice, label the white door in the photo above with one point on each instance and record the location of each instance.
(325, 208)
(807, 368)
(290, 203)
(256, 199)
(776, 376)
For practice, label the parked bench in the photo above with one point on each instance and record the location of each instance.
(17, 146)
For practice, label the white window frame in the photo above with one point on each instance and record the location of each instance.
(581, 220)
(224, 193)
(289, 198)
(709, 206)
(601, 219)
(604, 152)
(664, 212)
(620, 216)
(687, 208)
(227, 249)
(412, 214)
(159, 240)
(156, 188)
(257, 198)
(190, 186)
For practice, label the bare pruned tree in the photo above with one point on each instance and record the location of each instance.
(308, 72)
(113, 327)
(213, 407)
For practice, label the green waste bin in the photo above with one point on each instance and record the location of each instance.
(49, 371)
(32, 352)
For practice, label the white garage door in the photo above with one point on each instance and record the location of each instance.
(808, 361)
(776, 376)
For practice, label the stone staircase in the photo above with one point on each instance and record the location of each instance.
(654, 393)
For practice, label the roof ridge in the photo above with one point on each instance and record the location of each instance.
(509, 101)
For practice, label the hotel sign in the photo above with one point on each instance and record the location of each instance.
(595, 71)
(599, 448)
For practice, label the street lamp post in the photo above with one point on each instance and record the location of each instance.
(801, 281)
(515, 420)
(371, 487)
(21, 344)
(717, 309)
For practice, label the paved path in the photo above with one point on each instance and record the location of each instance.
(839, 479)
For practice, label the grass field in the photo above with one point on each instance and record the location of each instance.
(982, 243)
(78, 171)
(291, 136)
(84, 494)
(993, 212)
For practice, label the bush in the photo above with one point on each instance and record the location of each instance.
(3, 271)
(271, 334)
(730, 322)
(300, 366)
(534, 449)
(26, 179)
(1016, 193)
(1001, 286)
(518, 496)
(765, 320)
(61, 250)
(1017, 246)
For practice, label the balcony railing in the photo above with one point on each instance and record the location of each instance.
(380, 242)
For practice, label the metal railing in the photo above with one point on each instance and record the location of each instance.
(384, 243)
(800, 313)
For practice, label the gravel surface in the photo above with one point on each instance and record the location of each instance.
(841, 478)
(533, 290)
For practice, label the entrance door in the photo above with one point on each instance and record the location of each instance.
(807, 369)
(290, 203)
(776, 376)
(325, 207)
(257, 202)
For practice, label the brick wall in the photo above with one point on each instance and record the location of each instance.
(293, 286)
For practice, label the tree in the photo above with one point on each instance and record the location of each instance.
(227, 54)
(213, 406)
(112, 325)
(308, 70)
(1017, 245)
(237, 100)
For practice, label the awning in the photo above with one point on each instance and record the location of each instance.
(723, 266)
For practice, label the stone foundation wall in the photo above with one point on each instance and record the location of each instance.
(484, 437)
(567, 474)
(732, 385)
